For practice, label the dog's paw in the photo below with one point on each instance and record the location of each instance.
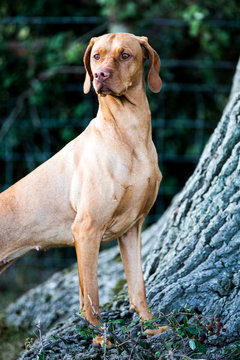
(152, 332)
(99, 341)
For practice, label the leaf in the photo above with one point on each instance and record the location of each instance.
(132, 324)
(151, 323)
(144, 344)
(192, 344)
(64, 340)
(42, 356)
(54, 338)
(86, 333)
(192, 330)
(123, 331)
(187, 308)
(117, 321)
(169, 345)
(200, 347)
(177, 345)
(181, 330)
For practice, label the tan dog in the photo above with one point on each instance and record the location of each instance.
(101, 185)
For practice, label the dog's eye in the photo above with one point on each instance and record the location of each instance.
(97, 57)
(125, 56)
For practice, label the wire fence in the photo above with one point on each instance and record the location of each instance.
(179, 135)
(184, 114)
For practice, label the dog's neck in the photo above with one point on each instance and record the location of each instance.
(128, 114)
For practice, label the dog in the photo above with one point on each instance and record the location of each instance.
(102, 184)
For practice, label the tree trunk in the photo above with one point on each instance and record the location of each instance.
(197, 257)
(191, 256)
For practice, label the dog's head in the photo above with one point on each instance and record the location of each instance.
(114, 63)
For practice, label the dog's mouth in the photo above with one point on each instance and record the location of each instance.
(103, 89)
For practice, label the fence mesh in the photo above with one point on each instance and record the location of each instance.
(184, 114)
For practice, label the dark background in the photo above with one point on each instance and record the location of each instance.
(42, 105)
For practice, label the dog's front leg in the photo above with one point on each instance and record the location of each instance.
(87, 242)
(130, 249)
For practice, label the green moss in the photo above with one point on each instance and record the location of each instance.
(118, 288)
(70, 269)
(117, 258)
(117, 293)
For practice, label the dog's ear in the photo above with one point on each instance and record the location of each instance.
(89, 75)
(154, 80)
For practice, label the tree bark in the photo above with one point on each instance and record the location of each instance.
(191, 256)
(197, 257)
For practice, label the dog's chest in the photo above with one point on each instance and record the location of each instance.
(134, 197)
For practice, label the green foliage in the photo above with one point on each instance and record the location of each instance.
(87, 333)
(189, 332)
(11, 339)
(118, 287)
(232, 352)
(189, 337)
(74, 53)
(42, 356)
(120, 10)
(28, 342)
(194, 15)
(44, 58)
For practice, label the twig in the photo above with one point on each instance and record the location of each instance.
(97, 30)
(94, 310)
(105, 340)
(14, 113)
(40, 337)
(124, 342)
(116, 338)
(56, 342)
(178, 355)
(89, 324)
(136, 343)
(45, 75)
(130, 356)
(185, 356)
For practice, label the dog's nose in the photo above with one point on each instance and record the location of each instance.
(102, 74)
